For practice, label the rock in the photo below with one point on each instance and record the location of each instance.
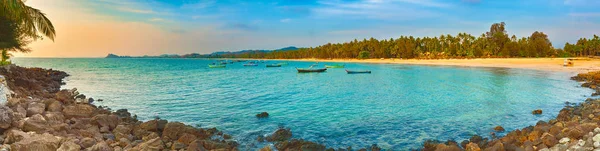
(596, 138)
(196, 146)
(87, 142)
(69, 146)
(123, 113)
(597, 144)
(266, 148)
(549, 139)
(280, 135)
(5, 117)
(156, 125)
(564, 140)
(174, 130)
(124, 142)
(536, 112)
(36, 123)
(43, 142)
(105, 120)
(150, 145)
(101, 146)
(150, 136)
(79, 111)
(122, 131)
(35, 108)
(597, 130)
(575, 133)
(187, 138)
(262, 115)
(15, 135)
(496, 147)
(178, 145)
(472, 147)
(499, 128)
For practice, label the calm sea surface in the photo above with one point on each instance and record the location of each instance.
(396, 107)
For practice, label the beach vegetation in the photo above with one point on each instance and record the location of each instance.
(20, 25)
(364, 55)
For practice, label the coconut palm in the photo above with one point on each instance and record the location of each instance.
(31, 19)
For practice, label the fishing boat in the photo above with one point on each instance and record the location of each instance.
(273, 65)
(358, 71)
(334, 66)
(250, 64)
(305, 70)
(216, 66)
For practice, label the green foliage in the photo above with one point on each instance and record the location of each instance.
(495, 43)
(584, 47)
(364, 55)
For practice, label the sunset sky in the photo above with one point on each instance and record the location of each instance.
(94, 28)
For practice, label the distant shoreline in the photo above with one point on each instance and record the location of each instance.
(581, 65)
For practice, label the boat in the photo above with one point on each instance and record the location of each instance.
(273, 65)
(305, 70)
(216, 66)
(250, 64)
(335, 66)
(358, 71)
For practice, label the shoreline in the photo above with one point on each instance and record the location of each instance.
(581, 65)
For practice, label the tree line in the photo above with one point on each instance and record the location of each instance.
(495, 43)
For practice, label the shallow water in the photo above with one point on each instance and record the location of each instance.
(396, 107)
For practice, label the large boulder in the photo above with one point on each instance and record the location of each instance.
(35, 123)
(35, 108)
(154, 125)
(105, 120)
(79, 111)
(37, 142)
(122, 131)
(174, 130)
(55, 106)
(5, 117)
(281, 134)
(15, 135)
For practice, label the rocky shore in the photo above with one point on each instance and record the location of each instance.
(576, 128)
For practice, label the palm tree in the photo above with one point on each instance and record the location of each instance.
(32, 19)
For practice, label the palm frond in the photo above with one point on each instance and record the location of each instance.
(40, 22)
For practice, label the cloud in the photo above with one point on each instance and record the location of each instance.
(285, 20)
(584, 14)
(199, 5)
(133, 10)
(376, 9)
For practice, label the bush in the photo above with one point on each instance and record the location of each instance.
(364, 55)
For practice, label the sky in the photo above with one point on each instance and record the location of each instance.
(94, 28)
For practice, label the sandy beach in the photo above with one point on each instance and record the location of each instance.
(581, 65)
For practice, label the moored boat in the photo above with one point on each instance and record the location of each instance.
(358, 71)
(216, 66)
(304, 70)
(273, 65)
(335, 66)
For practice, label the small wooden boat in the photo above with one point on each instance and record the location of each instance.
(304, 70)
(359, 71)
(334, 66)
(273, 65)
(251, 64)
(216, 66)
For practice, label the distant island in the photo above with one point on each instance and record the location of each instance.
(218, 54)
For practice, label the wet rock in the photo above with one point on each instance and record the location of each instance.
(154, 125)
(499, 128)
(295, 144)
(281, 134)
(174, 130)
(262, 115)
(123, 113)
(536, 112)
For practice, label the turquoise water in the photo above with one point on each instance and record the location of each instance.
(396, 107)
